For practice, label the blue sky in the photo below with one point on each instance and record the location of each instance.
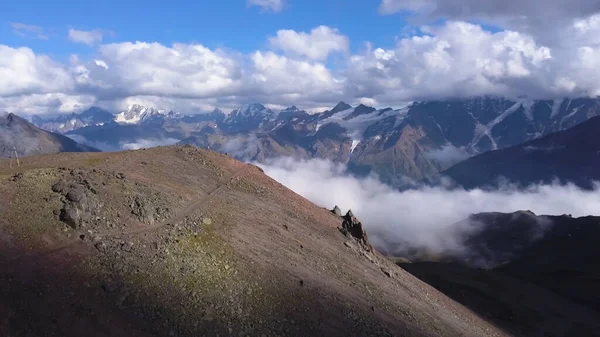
(225, 23)
(194, 56)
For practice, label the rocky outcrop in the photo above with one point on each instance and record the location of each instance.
(353, 228)
(337, 211)
(79, 204)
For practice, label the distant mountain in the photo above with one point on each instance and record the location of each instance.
(138, 114)
(572, 155)
(410, 143)
(247, 118)
(548, 263)
(27, 139)
(65, 123)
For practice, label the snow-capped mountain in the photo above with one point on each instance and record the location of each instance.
(65, 123)
(248, 117)
(413, 141)
(137, 114)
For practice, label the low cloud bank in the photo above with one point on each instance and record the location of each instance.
(141, 143)
(425, 218)
(148, 143)
(448, 155)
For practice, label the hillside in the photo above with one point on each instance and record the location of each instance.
(572, 155)
(548, 263)
(178, 241)
(416, 141)
(27, 139)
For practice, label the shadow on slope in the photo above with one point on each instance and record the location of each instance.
(542, 278)
(191, 242)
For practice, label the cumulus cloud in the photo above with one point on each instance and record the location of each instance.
(292, 80)
(316, 45)
(25, 30)
(89, 37)
(449, 60)
(23, 72)
(422, 218)
(181, 70)
(268, 5)
(533, 16)
(460, 59)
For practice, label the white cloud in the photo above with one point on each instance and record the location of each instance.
(148, 143)
(89, 37)
(291, 80)
(448, 155)
(268, 5)
(392, 217)
(25, 30)
(454, 59)
(316, 45)
(24, 72)
(152, 69)
(542, 19)
(460, 59)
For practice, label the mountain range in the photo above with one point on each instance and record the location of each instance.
(411, 143)
(20, 136)
(572, 155)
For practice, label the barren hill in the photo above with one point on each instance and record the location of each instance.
(178, 241)
(24, 137)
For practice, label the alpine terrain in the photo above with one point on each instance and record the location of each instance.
(399, 145)
(569, 156)
(180, 241)
(17, 134)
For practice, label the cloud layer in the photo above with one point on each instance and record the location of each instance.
(89, 37)
(455, 58)
(423, 218)
(268, 5)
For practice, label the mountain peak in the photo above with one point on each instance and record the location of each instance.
(293, 108)
(250, 110)
(136, 113)
(341, 106)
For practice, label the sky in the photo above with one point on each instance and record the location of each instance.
(194, 57)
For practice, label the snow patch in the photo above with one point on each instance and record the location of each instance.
(356, 126)
(528, 109)
(556, 107)
(354, 145)
(486, 130)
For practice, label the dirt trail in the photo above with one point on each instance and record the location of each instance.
(190, 209)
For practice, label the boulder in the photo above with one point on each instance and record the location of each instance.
(60, 186)
(71, 216)
(76, 195)
(337, 211)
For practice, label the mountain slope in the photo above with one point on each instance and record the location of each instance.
(572, 155)
(17, 133)
(548, 263)
(193, 242)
